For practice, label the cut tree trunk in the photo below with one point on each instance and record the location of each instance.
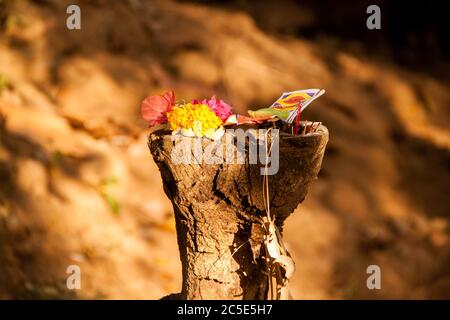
(218, 210)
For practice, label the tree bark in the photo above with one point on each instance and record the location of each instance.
(218, 210)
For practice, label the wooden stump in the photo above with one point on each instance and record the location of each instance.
(218, 210)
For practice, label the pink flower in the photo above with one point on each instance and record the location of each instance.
(220, 108)
(154, 108)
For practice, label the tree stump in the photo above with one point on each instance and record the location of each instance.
(218, 210)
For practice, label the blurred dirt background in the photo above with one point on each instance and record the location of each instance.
(78, 185)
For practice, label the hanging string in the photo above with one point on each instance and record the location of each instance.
(265, 188)
(266, 200)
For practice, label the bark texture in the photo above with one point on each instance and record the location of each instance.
(218, 210)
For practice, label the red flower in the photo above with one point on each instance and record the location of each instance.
(154, 108)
